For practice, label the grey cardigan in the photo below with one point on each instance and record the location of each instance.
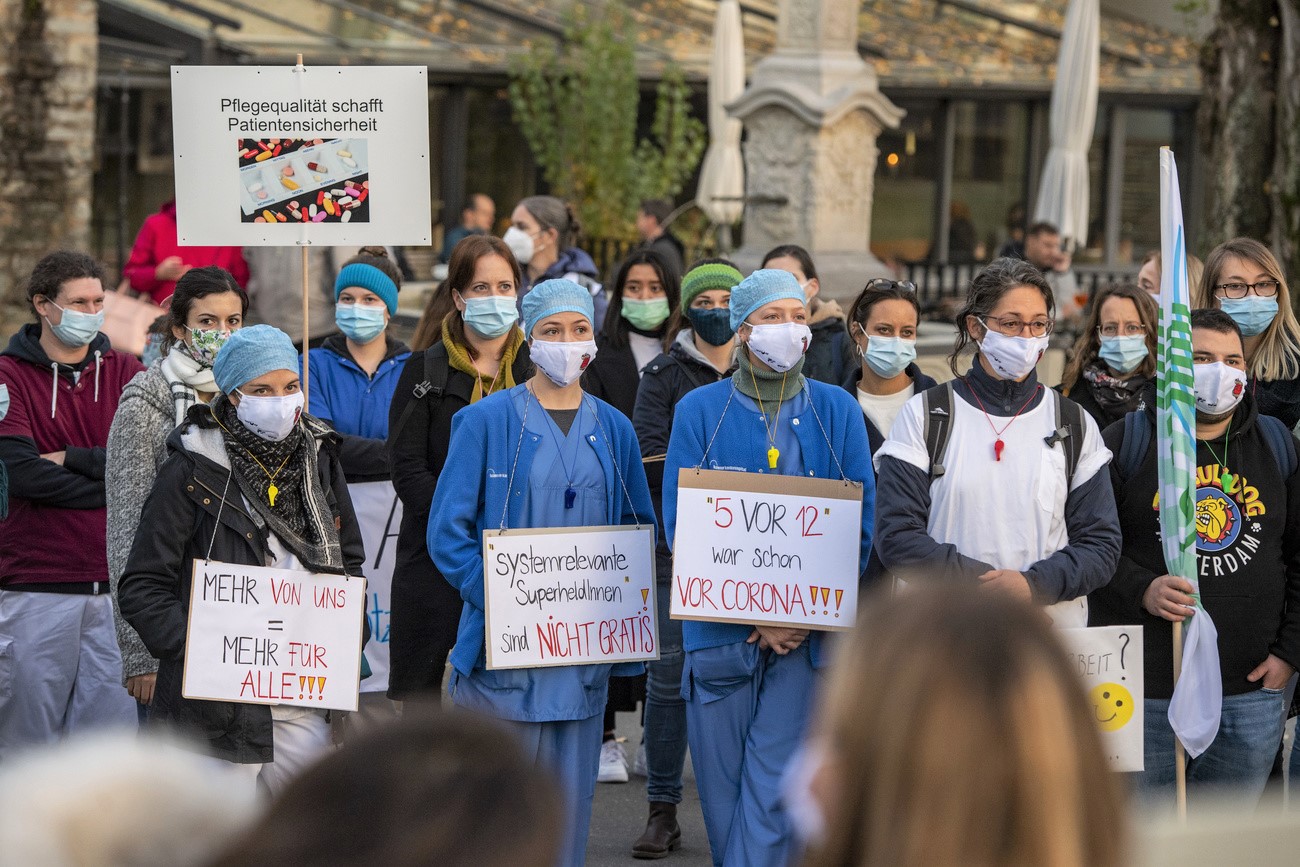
(137, 448)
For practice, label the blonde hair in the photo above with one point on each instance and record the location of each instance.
(1277, 356)
(1195, 269)
(957, 734)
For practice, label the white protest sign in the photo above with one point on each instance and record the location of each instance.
(273, 636)
(1109, 660)
(766, 549)
(569, 596)
(379, 514)
(287, 155)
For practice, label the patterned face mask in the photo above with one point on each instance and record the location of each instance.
(203, 346)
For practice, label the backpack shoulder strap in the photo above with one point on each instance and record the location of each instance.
(1070, 431)
(937, 407)
(1280, 442)
(1133, 447)
(434, 383)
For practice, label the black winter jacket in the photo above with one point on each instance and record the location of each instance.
(830, 356)
(178, 525)
(1247, 553)
(667, 379)
(920, 383)
(613, 376)
(1084, 394)
(425, 608)
(1279, 398)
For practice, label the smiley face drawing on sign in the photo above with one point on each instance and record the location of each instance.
(1112, 705)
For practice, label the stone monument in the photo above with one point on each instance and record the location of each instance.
(812, 113)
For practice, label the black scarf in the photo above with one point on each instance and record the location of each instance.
(301, 518)
(1116, 397)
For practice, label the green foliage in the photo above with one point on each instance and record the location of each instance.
(577, 106)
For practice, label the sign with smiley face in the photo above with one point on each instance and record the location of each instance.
(1109, 660)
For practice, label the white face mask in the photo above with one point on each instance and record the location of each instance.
(1219, 388)
(562, 362)
(520, 243)
(779, 346)
(271, 418)
(1012, 357)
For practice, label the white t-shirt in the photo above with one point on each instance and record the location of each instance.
(644, 349)
(1010, 513)
(882, 409)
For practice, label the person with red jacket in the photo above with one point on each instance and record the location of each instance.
(60, 668)
(158, 260)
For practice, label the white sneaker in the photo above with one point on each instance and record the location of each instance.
(613, 763)
(638, 767)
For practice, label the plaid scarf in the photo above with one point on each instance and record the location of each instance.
(302, 517)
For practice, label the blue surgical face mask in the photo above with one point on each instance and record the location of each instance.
(1123, 354)
(1252, 313)
(888, 356)
(359, 322)
(711, 324)
(491, 316)
(76, 329)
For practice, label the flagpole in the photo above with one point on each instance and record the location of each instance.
(1180, 755)
(306, 293)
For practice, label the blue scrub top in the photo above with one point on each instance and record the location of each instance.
(563, 692)
(790, 461)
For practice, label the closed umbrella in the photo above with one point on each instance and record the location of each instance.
(1063, 191)
(722, 178)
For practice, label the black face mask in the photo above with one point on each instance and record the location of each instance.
(711, 324)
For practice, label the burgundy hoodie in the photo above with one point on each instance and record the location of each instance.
(56, 525)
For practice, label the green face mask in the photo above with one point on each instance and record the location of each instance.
(645, 315)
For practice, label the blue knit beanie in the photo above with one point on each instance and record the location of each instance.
(556, 296)
(369, 277)
(252, 352)
(762, 287)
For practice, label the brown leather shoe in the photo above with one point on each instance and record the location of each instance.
(662, 833)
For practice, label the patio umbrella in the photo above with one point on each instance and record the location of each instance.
(723, 173)
(1063, 191)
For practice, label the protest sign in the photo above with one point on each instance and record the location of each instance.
(766, 549)
(1109, 660)
(379, 514)
(294, 155)
(273, 636)
(569, 596)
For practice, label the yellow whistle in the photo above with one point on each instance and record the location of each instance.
(772, 454)
(271, 493)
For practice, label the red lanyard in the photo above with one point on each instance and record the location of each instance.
(998, 444)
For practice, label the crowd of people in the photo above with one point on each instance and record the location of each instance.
(536, 397)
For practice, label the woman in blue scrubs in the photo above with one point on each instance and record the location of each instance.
(749, 689)
(542, 454)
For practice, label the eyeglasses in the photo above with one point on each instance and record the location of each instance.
(885, 283)
(1013, 327)
(1128, 329)
(1264, 289)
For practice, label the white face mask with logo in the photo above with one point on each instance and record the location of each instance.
(1012, 357)
(271, 418)
(779, 346)
(562, 362)
(1219, 388)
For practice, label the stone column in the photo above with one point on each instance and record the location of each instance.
(48, 56)
(812, 113)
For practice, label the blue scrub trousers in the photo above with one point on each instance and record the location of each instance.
(746, 714)
(571, 750)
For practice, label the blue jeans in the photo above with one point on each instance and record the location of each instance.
(665, 710)
(1240, 757)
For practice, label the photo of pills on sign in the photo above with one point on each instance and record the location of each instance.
(293, 180)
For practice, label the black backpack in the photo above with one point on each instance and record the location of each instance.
(937, 410)
(1137, 439)
(434, 383)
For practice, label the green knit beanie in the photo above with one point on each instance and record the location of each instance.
(705, 278)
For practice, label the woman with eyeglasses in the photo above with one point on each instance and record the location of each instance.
(1243, 279)
(883, 322)
(1114, 359)
(993, 479)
